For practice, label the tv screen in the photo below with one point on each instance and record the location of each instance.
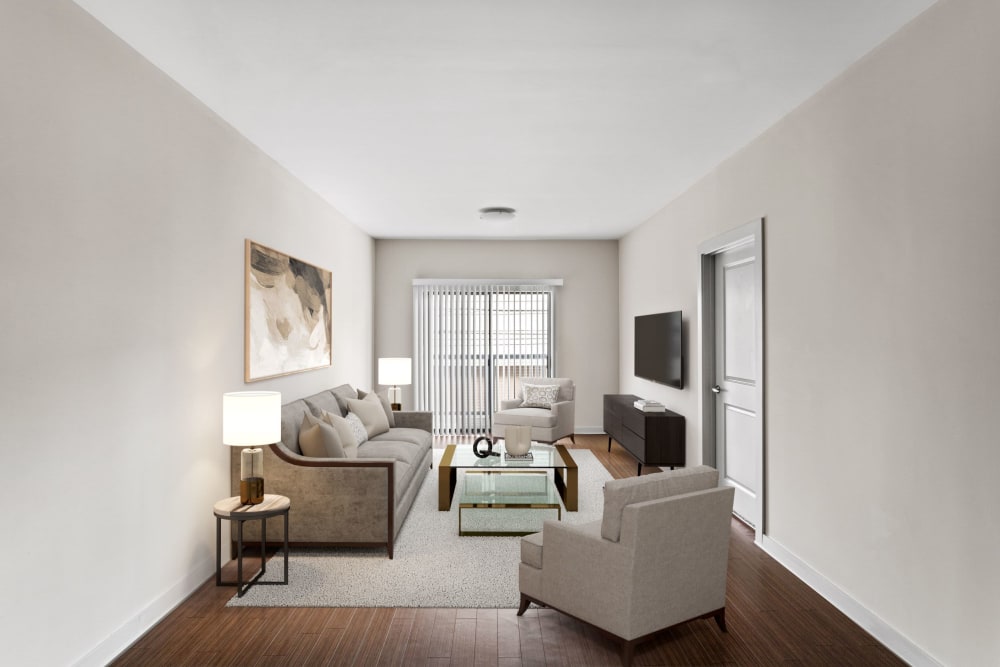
(658, 352)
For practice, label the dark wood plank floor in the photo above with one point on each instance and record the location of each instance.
(773, 619)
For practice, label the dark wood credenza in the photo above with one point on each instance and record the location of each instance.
(652, 438)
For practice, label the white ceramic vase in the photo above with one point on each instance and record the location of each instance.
(517, 440)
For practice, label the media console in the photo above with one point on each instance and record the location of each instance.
(653, 438)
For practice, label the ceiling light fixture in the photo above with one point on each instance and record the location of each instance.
(497, 213)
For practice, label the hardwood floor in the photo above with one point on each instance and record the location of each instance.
(772, 617)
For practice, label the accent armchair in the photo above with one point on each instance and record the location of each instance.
(547, 424)
(657, 559)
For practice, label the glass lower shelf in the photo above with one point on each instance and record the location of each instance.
(506, 503)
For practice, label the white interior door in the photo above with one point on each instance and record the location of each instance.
(737, 413)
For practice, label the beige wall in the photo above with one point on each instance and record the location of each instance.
(586, 305)
(881, 198)
(124, 204)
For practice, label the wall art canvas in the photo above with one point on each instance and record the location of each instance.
(288, 321)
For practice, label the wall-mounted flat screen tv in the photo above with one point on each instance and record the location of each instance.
(658, 348)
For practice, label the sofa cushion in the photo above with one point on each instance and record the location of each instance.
(369, 410)
(414, 436)
(291, 419)
(347, 438)
(397, 451)
(540, 395)
(538, 417)
(386, 406)
(323, 401)
(407, 457)
(621, 492)
(531, 550)
(344, 392)
(318, 438)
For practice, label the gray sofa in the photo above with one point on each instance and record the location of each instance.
(344, 501)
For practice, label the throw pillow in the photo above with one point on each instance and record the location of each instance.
(391, 418)
(346, 433)
(357, 428)
(343, 393)
(540, 395)
(319, 439)
(369, 409)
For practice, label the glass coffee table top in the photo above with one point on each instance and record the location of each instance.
(543, 456)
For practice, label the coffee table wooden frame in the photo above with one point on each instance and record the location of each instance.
(566, 478)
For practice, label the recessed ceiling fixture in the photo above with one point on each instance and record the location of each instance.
(497, 213)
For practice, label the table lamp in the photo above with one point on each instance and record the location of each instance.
(251, 419)
(394, 371)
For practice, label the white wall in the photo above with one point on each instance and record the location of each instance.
(124, 204)
(586, 305)
(881, 197)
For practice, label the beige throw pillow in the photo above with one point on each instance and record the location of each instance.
(344, 431)
(391, 418)
(369, 410)
(540, 395)
(319, 439)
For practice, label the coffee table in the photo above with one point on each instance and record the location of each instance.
(546, 457)
(516, 490)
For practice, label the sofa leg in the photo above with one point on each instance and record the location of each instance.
(524, 605)
(720, 619)
(572, 438)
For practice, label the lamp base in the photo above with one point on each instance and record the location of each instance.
(252, 490)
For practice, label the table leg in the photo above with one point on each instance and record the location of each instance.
(286, 546)
(447, 481)
(239, 559)
(218, 551)
(263, 545)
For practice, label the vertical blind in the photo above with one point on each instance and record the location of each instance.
(473, 340)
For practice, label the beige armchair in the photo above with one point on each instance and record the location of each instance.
(657, 559)
(547, 424)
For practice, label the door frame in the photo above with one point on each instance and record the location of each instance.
(751, 232)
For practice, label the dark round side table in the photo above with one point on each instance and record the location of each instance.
(236, 512)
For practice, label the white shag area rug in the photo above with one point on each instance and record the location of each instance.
(432, 565)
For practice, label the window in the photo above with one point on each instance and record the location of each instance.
(473, 340)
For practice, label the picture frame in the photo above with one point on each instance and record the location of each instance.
(288, 323)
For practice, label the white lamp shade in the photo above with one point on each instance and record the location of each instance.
(251, 418)
(394, 370)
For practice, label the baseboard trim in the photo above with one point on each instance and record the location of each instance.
(588, 430)
(882, 631)
(131, 630)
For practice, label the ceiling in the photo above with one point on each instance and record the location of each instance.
(586, 116)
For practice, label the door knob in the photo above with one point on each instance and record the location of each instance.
(716, 389)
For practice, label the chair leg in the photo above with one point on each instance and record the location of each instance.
(572, 438)
(628, 652)
(720, 619)
(524, 605)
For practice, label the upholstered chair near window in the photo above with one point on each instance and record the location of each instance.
(547, 405)
(657, 559)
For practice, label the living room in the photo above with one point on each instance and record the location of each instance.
(126, 203)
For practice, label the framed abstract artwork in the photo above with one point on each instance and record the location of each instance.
(288, 323)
